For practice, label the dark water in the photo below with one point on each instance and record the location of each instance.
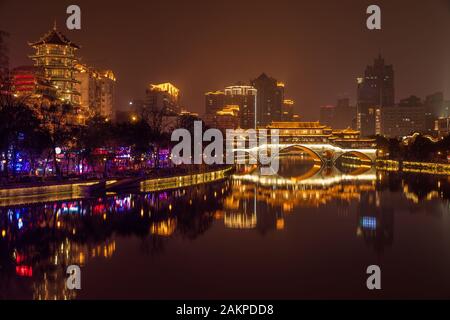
(308, 233)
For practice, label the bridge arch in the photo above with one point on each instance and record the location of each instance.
(364, 158)
(313, 154)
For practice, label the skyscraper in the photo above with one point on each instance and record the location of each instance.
(245, 97)
(55, 55)
(214, 101)
(375, 90)
(270, 99)
(288, 110)
(163, 97)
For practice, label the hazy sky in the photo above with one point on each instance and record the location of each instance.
(317, 48)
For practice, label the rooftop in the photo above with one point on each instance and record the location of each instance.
(54, 37)
(296, 125)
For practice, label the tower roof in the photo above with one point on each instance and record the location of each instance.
(54, 37)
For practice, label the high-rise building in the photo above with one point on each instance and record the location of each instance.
(326, 115)
(214, 101)
(435, 108)
(341, 116)
(245, 97)
(97, 91)
(404, 119)
(288, 110)
(345, 114)
(375, 90)
(164, 97)
(55, 54)
(226, 118)
(270, 99)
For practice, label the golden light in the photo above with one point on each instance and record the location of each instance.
(3, 233)
(280, 224)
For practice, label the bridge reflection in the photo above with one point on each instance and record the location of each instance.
(37, 242)
(314, 175)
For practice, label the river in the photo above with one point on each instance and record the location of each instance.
(309, 232)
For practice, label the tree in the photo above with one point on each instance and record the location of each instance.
(96, 134)
(55, 118)
(19, 129)
(421, 148)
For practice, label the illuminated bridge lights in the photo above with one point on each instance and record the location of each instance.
(315, 180)
(314, 149)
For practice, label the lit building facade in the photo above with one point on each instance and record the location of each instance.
(97, 90)
(270, 99)
(28, 84)
(245, 97)
(292, 132)
(374, 91)
(226, 118)
(214, 101)
(56, 56)
(164, 97)
(288, 110)
(404, 119)
(315, 132)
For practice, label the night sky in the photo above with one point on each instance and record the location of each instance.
(317, 48)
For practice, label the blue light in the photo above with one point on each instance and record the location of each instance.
(369, 223)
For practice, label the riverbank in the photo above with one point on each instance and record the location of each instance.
(413, 167)
(19, 195)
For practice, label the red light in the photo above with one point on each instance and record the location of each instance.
(24, 271)
(20, 258)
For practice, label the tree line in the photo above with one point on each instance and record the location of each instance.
(416, 148)
(40, 133)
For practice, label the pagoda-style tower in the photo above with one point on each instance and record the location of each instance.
(55, 55)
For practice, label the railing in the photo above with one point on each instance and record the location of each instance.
(160, 184)
(29, 195)
(414, 167)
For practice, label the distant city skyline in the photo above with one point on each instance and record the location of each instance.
(306, 45)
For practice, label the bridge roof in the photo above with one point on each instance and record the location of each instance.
(347, 131)
(296, 125)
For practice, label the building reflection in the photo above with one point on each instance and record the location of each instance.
(263, 202)
(375, 222)
(39, 241)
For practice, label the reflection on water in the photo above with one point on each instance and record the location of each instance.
(286, 232)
